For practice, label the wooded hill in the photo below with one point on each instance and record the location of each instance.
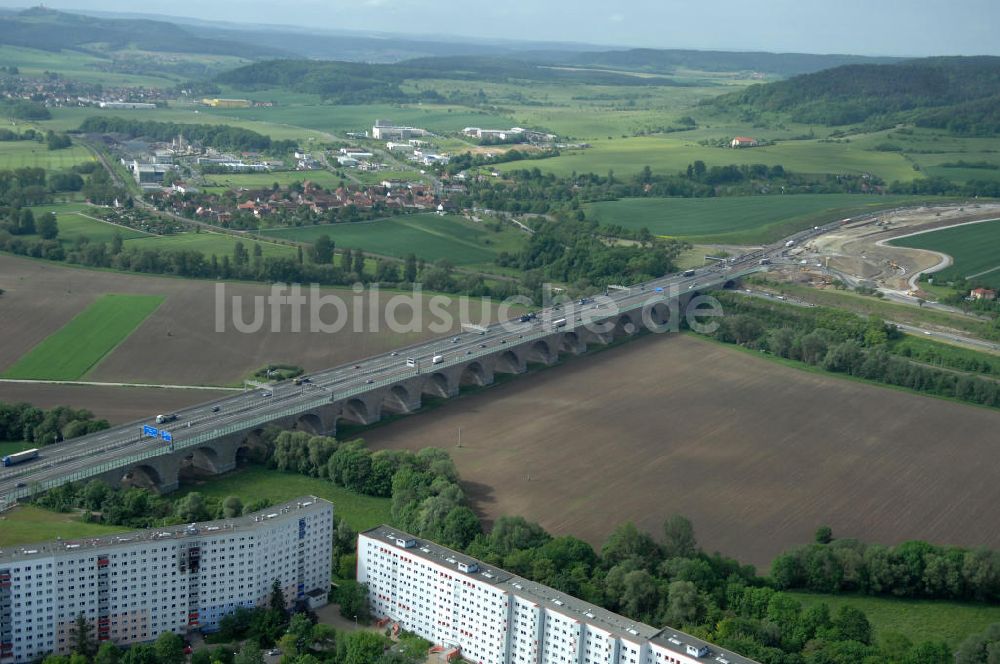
(358, 83)
(666, 61)
(51, 30)
(960, 94)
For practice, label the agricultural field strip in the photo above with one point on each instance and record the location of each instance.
(70, 352)
(977, 249)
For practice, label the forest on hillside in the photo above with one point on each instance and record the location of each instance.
(960, 94)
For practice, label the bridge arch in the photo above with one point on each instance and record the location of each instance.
(356, 411)
(398, 400)
(251, 448)
(625, 326)
(437, 385)
(661, 315)
(143, 476)
(541, 352)
(570, 342)
(309, 422)
(473, 374)
(509, 362)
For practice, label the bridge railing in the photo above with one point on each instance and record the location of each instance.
(183, 442)
(158, 448)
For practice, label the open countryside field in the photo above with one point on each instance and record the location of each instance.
(918, 620)
(254, 482)
(25, 154)
(739, 219)
(265, 180)
(209, 243)
(975, 249)
(429, 236)
(77, 220)
(628, 156)
(64, 119)
(76, 65)
(27, 524)
(83, 342)
(757, 454)
(178, 344)
(337, 118)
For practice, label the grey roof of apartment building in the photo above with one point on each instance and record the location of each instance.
(552, 599)
(246, 522)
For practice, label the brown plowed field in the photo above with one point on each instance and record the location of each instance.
(178, 343)
(755, 453)
(115, 404)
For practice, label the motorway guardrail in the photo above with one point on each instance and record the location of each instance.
(179, 443)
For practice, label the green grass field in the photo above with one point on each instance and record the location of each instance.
(427, 235)
(665, 155)
(342, 118)
(918, 620)
(75, 65)
(255, 482)
(735, 219)
(27, 524)
(974, 247)
(209, 243)
(70, 118)
(10, 447)
(21, 154)
(80, 344)
(283, 178)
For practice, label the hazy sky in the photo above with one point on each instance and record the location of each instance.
(869, 27)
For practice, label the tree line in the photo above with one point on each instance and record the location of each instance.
(953, 93)
(24, 422)
(841, 342)
(916, 570)
(222, 137)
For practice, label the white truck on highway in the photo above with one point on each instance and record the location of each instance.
(437, 359)
(790, 243)
(163, 419)
(20, 457)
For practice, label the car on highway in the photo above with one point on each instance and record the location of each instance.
(20, 485)
(268, 394)
(215, 409)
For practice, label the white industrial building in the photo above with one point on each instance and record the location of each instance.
(385, 130)
(491, 616)
(134, 586)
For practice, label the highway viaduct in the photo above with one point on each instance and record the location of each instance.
(222, 450)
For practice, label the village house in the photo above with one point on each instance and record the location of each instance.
(743, 142)
(983, 294)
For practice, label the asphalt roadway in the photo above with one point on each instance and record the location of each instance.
(74, 459)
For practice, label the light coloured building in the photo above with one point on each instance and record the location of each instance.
(385, 130)
(134, 586)
(493, 617)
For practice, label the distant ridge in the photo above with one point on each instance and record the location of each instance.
(52, 30)
(961, 94)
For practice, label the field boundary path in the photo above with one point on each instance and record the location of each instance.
(100, 384)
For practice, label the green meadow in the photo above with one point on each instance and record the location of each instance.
(975, 249)
(429, 236)
(739, 219)
(70, 352)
